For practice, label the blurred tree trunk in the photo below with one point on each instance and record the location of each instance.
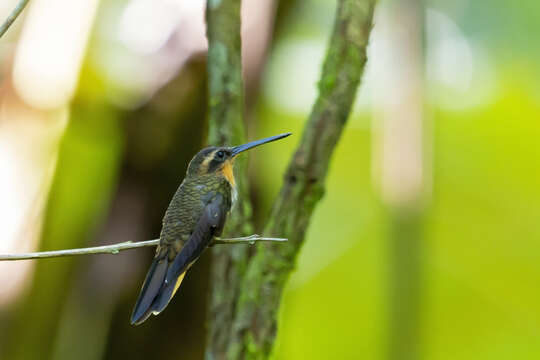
(248, 328)
(404, 175)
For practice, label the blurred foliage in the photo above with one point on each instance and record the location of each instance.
(85, 175)
(481, 248)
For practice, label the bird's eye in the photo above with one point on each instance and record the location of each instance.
(220, 154)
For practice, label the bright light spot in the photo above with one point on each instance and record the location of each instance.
(145, 43)
(450, 57)
(6, 7)
(51, 50)
(459, 74)
(146, 25)
(12, 210)
(27, 157)
(11, 191)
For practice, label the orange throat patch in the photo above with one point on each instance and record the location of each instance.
(227, 171)
(228, 174)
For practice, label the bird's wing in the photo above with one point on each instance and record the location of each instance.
(209, 225)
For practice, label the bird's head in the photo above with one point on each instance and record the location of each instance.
(220, 160)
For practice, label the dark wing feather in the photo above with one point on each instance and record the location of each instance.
(151, 287)
(209, 225)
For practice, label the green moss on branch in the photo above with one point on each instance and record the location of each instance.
(226, 127)
(255, 324)
(247, 291)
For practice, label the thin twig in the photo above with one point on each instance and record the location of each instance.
(11, 18)
(245, 239)
(116, 248)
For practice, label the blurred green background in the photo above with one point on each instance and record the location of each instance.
(95, 138)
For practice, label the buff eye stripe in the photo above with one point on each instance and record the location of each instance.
(206, 162)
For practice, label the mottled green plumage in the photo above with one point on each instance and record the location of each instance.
(186, 208)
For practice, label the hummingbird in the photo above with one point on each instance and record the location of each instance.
(195, 216)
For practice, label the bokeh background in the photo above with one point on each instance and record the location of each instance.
(426, 244)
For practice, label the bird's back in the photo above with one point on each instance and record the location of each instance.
(186, 208)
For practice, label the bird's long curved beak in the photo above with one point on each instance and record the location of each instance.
(240, 148)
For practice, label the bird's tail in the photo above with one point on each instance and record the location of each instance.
(155, 293)
(164, 278)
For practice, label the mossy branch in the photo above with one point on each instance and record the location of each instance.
(226, 127)
(13, 16)
(255, 323)
(246, 291)
(128, 245)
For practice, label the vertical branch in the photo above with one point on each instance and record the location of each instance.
(254, 327)
(226, 86)
(226, 126)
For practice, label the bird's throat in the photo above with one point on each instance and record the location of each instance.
(228, 173)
